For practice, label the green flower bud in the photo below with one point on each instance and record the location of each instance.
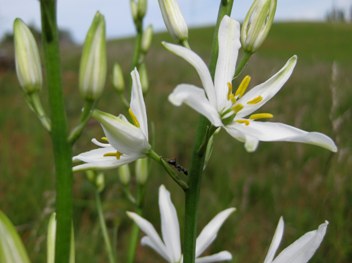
(28, 67)
(257, 24)
(147, 39)
(134, 10)
(118, 81)
(96, 179)
(142, 171)
(144, 78)
(173, 19)
(124, 174)
(93, 66)
(141, 8)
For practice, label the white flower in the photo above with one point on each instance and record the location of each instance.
(169, 247)
(225, 109)
(299, 251)
(127, 141)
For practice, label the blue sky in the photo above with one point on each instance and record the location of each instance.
(76, 15)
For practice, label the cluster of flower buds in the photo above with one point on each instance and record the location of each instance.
(257, 24)
(138, 9)
(93, 67)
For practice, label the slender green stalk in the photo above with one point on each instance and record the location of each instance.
(103, 228)
(85, 116)
(36, 105)
(198, 157)
(61, 146)
(245, 58)
(136, 61)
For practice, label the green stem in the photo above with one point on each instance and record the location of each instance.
(36, 105)
(104, 230)
(136, 61)
(85, 116)
(61, 147)
(245, 58)
(198, 157)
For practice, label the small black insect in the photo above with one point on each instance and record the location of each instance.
(179, 168)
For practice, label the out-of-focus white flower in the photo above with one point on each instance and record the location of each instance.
(257, 24)
(225, 109)
(127, 141)
(299, 251)
(173, 19)
(169, 247)
(28, 67)
(93, 67)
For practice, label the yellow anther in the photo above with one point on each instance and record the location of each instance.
(229, 91)
(246, 122)
(255, 100)
(242, 87)
(116, 154)
(134, 118)
(261, 116)
(104, 139)
(237, 107)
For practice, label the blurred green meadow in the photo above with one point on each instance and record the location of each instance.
(304, 184)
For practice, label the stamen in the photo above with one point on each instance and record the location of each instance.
(255, 100)
(104, 139)
(242, 87)
(237, 107)
(134, 118)
(116, 154)
(229, 91)
(246, 122)
(261, 116)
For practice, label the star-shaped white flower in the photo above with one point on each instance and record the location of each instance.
(127, 141)
(299, 251)
(169, 247)
(231, 111)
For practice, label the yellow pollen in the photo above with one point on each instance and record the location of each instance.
(246, 122)
(261, 116)
(116, 154)
(104, 139)
(237, 107)
(242, 87)
(134, 118)
(255, 100)
(229, 92)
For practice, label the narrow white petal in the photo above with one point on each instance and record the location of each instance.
(137, 102)
(94, 155)
(195, 98)
(169, 225)
(268, 89)
(229, 44)
(274, 131)
(210, 231)
(218, 257)
(147, 241)
(275, 242)
(154, 240)
(100, 144)
(199, 65)
(303, 248)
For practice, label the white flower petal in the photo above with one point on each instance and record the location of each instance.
(169, 225)
(210, 231)
(218, 257)
(266, 90)
(274, 131)
(147, 241)
(229, 44)
(199, 65)
(100, 144)
(275, 242)
(196, 99)
(137, 104)
(303, 248)
(154, 240)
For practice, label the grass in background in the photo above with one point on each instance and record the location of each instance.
(303, 183)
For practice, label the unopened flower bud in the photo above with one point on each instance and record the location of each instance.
(118, 81)
(173, 19)
(147, 39)
(124, 174)
(28, 67)
(134, 10)
(96, 179)
(93, 66)
(144, 78)
(142, 170)
(141, 8)
(257, 24)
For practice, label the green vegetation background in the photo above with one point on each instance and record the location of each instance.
(304, 184)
